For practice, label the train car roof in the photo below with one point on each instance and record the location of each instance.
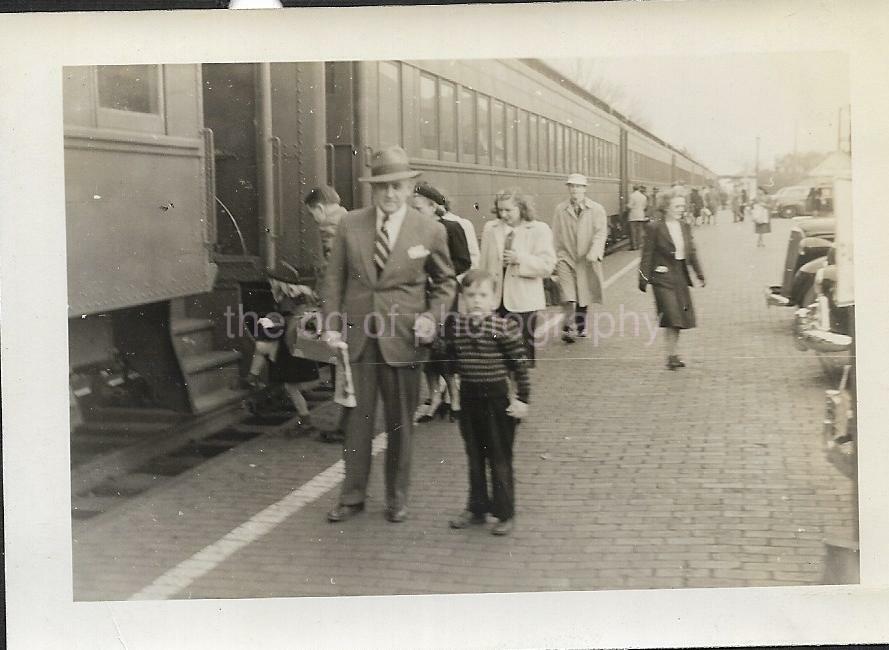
(543, 68)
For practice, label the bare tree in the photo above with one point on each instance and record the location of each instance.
(586, 74)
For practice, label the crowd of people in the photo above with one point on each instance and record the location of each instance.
(420, 302)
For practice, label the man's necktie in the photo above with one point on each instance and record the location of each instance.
(381, 247)
(578, 209)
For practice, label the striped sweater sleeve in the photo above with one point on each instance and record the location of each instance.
(517, 359)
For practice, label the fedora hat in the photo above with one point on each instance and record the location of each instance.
(388, 165)
(576, 179)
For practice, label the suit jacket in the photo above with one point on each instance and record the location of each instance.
(521, 290)
(658, 265)
(418, 279)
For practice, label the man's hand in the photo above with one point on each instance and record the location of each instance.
(517, 409)
(424, 329)
(593, 258)
(510, 257)
(333, 339)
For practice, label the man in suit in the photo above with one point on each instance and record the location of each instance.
(389, 282)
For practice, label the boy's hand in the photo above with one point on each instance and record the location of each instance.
(517, 409)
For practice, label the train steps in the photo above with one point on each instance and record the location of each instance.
(211, 376)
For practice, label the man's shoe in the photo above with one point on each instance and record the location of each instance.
(396, 516)
(466, 519)
(503, 527)
(333, 436)
(344, 511)
(568, 336)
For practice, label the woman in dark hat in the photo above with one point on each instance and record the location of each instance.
(667, 252)
(430, 202)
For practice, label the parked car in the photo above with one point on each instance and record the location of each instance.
(790, 201)
(793, 200)
(810, 240)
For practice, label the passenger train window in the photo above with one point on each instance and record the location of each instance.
(130, 98)
(532, 142)
(545, 139)
(447, 109)
(467, 125)
(573, 166)
(389, 104)
(484, 129)
(552, 134)
(511, 132)
(560, 148)
(585, 153)
(498, 130)
(521, 126)
(428, 117)
(131, 88)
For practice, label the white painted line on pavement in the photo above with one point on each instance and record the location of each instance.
(201, 563)
(554, 321)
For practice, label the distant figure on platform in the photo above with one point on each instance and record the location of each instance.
(697, 204)
(668, 252)
(760, 216)
(429, 202)
(389, 281)
(487, 349)
(517, 250)
(638, 203)
(580, 229)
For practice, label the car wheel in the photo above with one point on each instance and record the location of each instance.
(789, 212)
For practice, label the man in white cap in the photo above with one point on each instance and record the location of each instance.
(580, 228)
(636, 205)
(388, 285)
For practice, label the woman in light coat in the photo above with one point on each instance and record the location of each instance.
(517, 250)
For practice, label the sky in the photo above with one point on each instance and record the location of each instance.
(716, 106)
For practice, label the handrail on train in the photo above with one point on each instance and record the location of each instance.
(235, 224)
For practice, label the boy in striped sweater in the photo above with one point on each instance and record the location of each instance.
(487, 349)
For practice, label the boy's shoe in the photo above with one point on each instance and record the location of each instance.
(466, 519)
(503, 527)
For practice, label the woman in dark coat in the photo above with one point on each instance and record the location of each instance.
(667, 253)
(429, 202)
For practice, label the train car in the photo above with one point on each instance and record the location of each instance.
(473, 127)
(185, 183)
(170, 229)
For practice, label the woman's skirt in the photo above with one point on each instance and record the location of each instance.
(763, 228)
(674, 306)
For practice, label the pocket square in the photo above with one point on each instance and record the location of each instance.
(661, 269)
(418, 251)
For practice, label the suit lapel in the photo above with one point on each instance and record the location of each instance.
(367, 242)
(671, 245)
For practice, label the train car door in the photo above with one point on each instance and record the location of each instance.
(341, 142)
(230, 112)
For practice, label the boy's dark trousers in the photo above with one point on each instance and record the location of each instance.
(488, 434)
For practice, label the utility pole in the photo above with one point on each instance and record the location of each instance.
(756, 167)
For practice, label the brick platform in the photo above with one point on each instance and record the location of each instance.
(628, 475)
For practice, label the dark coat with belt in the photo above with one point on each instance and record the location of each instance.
(458, 247)
(670, 277)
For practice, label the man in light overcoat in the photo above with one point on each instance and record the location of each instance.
(388, 285)
(580, 229)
